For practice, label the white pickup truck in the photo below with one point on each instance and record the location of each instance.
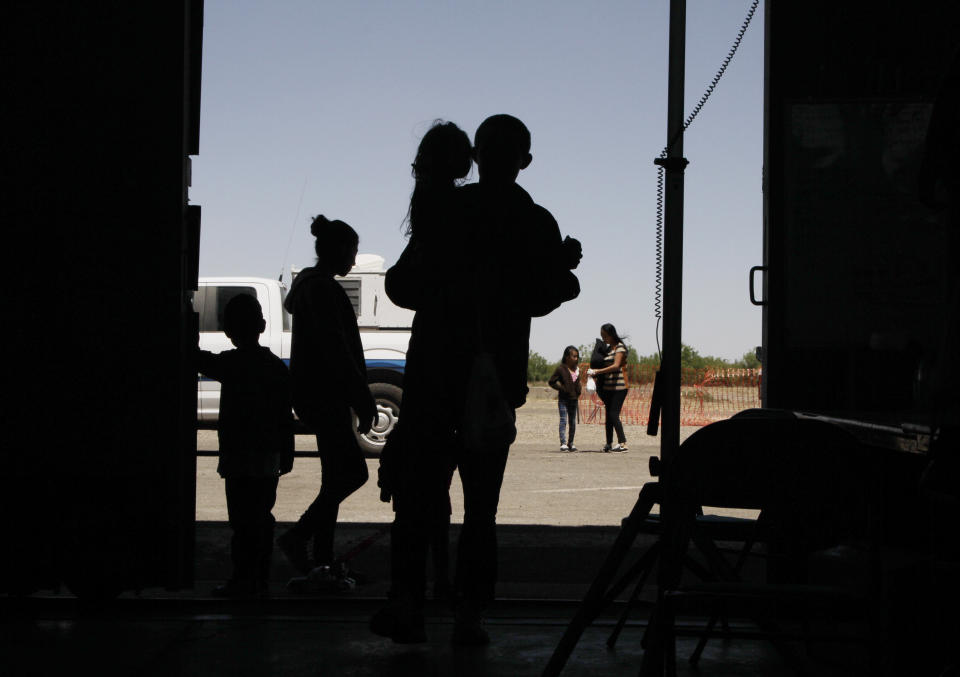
(384, 332)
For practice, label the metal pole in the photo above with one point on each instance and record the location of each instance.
(669, 567)
(673, 238)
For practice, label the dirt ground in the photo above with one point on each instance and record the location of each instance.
(542, 485)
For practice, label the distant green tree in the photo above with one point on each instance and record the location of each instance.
(690, 358)
(538, 369)
(748, 361)
(643, 360)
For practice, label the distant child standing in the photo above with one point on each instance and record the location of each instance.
(256, 441)
(566, 380)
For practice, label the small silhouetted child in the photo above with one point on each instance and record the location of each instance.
(256, 440)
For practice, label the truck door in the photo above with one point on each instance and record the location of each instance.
(856, 266)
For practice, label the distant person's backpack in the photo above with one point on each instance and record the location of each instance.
(597, 360)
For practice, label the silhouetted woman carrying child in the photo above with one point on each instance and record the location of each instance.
(566, 381)
(329, 378)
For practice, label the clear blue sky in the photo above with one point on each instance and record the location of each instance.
(335, 96)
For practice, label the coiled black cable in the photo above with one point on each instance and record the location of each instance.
(658, 246)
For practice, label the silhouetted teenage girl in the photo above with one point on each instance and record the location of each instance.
(614, 389)
(566, 380)
(329, 377)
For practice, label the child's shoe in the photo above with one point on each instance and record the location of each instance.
(572, 448)
(564, 447)
(619, 447)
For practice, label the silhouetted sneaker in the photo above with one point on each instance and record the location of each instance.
(357, 577)
(606, 447)
(564, 447)
(469, 634)
(234, 590)
(468, 629)
(619, 447)
(295, 550)
(399, 622)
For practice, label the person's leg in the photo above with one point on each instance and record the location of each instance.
(481, 474)
(267, 498)
(420, 498)
(241, 513)
(343, 471)
(562, 409)
(607, 418)
(440, 550)
(572, 418)
(613, 414)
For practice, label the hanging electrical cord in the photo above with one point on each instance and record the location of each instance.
(658, 247)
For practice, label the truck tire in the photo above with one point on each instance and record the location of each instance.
(387, 397)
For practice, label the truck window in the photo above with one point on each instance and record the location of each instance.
(214, 301)
(283, 309)
(352, 287)
(196, 299)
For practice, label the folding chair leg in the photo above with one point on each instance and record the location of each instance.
(596, 596)
(695, 656)
(709, 548)
(647, 560)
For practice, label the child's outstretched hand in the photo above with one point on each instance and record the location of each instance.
(366, 415)
(572, 252)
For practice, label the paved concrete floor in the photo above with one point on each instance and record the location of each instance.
(542, 485)
(546, 571)
(553, 538)
(221, 642)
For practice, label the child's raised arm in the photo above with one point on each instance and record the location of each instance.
(210, 364)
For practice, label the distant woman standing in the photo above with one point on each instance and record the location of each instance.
(614, 389)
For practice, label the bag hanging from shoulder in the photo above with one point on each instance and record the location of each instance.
(488, 421)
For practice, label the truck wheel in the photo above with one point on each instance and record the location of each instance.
(387, 397)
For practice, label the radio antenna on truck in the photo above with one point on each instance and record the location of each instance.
(286, 252)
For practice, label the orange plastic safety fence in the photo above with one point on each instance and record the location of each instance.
(706, 395)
